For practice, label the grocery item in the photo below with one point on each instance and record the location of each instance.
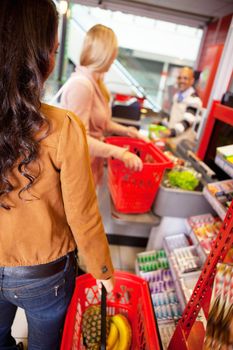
(124, 331)
(186, 259)
(113, 336)
(183, 178)
(151, 261)
(206, 228)
(226, 152)
(118, 330)
(154, 131)
(220, 194)
(91, 327)
(153, 266)
(175, 241)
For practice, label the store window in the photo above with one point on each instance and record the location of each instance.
(149, 62)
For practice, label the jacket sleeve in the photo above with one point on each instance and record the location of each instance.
(78, 98)
(194, 105)
(80, 200)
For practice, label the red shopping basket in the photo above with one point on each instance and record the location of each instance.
(131, 297)
(125, 98)
(134, 192)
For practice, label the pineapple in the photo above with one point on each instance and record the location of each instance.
(91, 327)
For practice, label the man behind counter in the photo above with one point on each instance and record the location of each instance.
(185, 106)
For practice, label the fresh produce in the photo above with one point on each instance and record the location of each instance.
(154, 131)
(119, 333)
(91, 327)
(183, 179)
(112, 337)
(125, 332)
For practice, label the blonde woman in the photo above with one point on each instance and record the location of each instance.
(87, 96)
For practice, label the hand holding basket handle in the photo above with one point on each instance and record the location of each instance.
(108, 284)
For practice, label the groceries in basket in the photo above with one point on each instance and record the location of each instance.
(134, 192)
(118, 330)
(120, 334)
(129, 307)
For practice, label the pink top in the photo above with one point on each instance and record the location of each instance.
(83, 96)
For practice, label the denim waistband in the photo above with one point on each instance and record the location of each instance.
(41, 271)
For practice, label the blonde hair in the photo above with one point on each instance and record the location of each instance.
(99, 48)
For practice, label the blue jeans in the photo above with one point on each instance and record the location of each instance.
(45, 301)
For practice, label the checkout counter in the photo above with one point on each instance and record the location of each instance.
(170, 208)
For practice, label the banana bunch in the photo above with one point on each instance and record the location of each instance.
(120, 334)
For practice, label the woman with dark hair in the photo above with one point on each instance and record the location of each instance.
(47, 196)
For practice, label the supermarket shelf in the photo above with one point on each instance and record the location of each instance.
(202, 292)
(200, 225)
(193, 237)
(197, 243)
(179, 291)
(186, 328)
(224, 165)
(217, 206)
(183, 279)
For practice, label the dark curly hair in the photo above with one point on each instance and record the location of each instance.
(28, 29)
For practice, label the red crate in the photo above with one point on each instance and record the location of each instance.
(125, 98)
(131, 297)
(134, 192)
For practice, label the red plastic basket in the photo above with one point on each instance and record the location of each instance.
(124, 98)
(134, 192)
(130, 297)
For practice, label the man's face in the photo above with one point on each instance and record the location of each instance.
(185, 79)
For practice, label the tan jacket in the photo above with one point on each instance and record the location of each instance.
(60, 210)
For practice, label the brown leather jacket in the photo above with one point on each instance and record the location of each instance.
(60, 210)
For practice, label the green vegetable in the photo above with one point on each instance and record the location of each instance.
(154, 130)
(183, 179)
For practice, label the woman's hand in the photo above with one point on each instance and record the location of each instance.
(132, 161)
(108, 284)
(133, 132)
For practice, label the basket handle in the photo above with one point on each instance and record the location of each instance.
(103, 318)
